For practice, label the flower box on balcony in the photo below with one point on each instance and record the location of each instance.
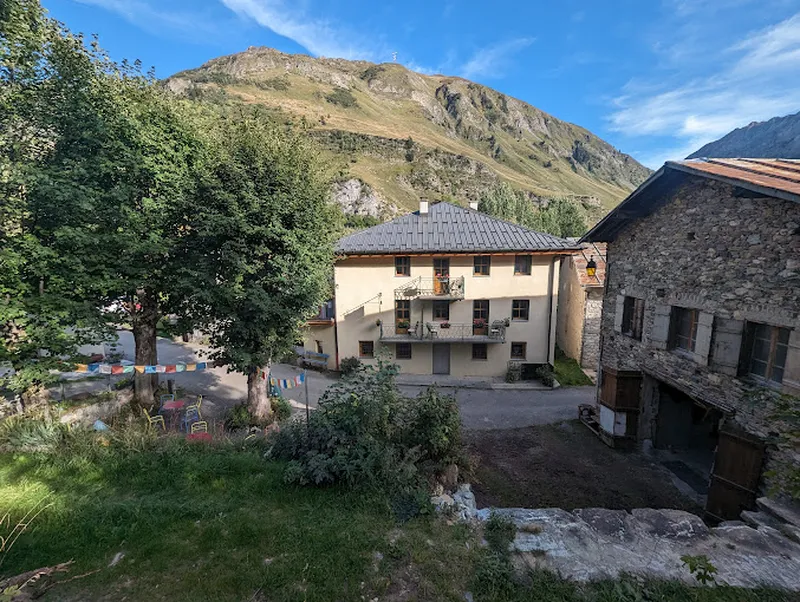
(402, 327)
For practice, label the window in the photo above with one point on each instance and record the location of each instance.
(519, 351)
(402, 351)
(402, 311)
(520, 308)
(480, 310)
(480, 316)
(633, 317)
(482, 265)
(402, 266)
(479, 351)
(441, 267)
(766, 348)
(319, 346)
(684, 334)
(441, 310)
(522, 265)
(366, 349)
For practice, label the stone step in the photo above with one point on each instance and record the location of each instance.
(780, 510)
(760, 519)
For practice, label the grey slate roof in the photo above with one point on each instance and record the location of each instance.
(448, 228)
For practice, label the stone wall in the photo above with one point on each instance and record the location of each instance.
(708, 248)
(592, 313)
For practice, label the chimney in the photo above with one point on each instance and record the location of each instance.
(473, 205)
(423, 206)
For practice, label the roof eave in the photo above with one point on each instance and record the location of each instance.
(596, 234)
(565, 251)
(753, 187)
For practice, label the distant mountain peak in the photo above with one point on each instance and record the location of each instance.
(777, 138)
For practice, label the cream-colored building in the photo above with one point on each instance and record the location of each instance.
(446, 290)
(580, 304)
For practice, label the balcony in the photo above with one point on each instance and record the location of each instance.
(433, 332)
(326, 315)
(439, 287)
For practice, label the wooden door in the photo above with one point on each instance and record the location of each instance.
(441, 358)
(735, 475)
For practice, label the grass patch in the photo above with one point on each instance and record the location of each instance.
(568, 372)
(219, 523)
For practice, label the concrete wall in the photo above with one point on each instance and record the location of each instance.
(360, 280)
(709, 248)
(326, 336)
(571, 300)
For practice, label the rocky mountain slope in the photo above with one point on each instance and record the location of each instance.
(400, 135)
(777, 138)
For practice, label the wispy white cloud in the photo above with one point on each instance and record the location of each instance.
(320, 37)
(492, 60)
(753, 80)
(193, 26)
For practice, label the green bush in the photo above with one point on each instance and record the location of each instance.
(32, 433)
(342, 97)
(545, 374)
(281, 409)
(350, 365)
(365, 432)
(238, 417)
(499, 532)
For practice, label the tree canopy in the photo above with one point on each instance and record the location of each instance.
(264, 213)
(559, 217)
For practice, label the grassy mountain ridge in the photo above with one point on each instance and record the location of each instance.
(408, 135)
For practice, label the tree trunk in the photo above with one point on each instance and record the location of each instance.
(258, 395)
(144, 318)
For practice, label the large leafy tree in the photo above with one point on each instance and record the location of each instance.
(265, 228)
(108, 184)
(40, 321)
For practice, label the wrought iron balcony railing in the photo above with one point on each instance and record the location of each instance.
(438, 287)
(444, 332)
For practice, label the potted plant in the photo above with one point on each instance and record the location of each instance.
(444, 325)
(479, 327)
(378, 322)
(402, 326)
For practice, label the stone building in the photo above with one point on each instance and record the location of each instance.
(701, 313)
(580, 304)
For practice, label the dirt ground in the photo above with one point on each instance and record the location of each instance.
(565, 466)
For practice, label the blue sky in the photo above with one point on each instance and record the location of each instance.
(656, 78)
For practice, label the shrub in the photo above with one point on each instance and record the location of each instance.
(32, 433)
(514, 372)
(365, 432)
(350, 365)
(281, 409)
(342, 97)
(545, 374)
(238, 417)
(499, 532)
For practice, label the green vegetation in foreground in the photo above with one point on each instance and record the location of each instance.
(568, 372)
(218, 523)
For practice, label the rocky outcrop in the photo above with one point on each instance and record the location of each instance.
(358, 198)
(595, 543)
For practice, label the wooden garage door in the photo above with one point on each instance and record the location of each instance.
(736, 473)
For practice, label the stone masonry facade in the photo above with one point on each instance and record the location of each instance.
(731, 256)
(593, 310)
